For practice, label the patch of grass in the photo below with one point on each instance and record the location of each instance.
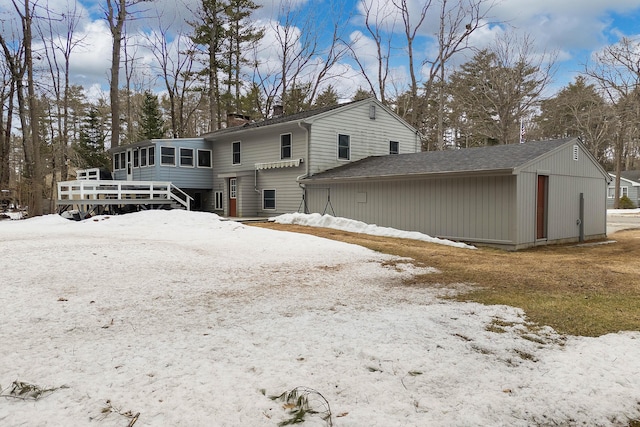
(577, 290)
(26, 391)
(301, 402)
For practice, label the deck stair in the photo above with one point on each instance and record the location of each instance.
(89, 194)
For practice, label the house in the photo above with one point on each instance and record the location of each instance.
(510, 196)
(360, 160)
(629, 186)
(257, 166)
(249, 169)
(185, 162)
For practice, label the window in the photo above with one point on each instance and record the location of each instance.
(123, 160)
(218, 201)
(236, 152)
(152, 156)
(143, 157)
(204, 158)
(168, 156)
(116, 162)
(233, 188)
(269, 200)
(136, 158)
(344, 147)
(285, 146)
(611, 192)
(394, 147)
(186, 157)
(576, 150)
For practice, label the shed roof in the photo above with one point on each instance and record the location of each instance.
(494, 159)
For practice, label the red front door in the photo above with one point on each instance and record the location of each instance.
(541, 207)
(233, 197)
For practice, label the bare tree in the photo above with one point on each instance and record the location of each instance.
(57, 53)
(7, 98)
(454, 20)
(20, 63)
(458, 20)
(379, 24)
(410, 31)
(116, 15)
(176, 71)
(616, 69)
(305, 59)
(497, 88)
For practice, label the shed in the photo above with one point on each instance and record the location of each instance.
(510, 196)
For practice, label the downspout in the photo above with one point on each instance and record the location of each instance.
(305, 127)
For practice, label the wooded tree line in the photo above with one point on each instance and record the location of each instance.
(223, 64)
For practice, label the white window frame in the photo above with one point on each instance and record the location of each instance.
(188, 165)
(143, 157)
(123, 160)
(162, 163)
(348, 146)
(116, 162)
(209, 156)
(264, 207)
(136, 157)
(233, 153)
(218, 200)
(151, 149)
(611, 192)
(282, 146)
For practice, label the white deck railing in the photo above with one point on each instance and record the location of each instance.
(107, 192)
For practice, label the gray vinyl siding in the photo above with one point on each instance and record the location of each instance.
(181, 176)
(369, 137)
(261, 146)
(633, 192)
(288, 192)
(478, 209)
(567, 179)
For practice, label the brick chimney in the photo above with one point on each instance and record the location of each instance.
(235, 119)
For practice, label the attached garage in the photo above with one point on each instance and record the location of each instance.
(510, 196)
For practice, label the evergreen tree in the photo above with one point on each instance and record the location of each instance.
(90, 150)
(326, 98)
(151, 120)
(361, 94)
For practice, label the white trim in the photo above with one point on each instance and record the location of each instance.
(274, 199)
(198, 158)
(338, 147)
(290, 146)
(233, 158)
(193, 159)
(175, 155)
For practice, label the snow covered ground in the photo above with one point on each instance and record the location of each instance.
(192, 321)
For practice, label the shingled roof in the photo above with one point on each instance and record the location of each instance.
(278, 120)
(633, 175)
(493, 159)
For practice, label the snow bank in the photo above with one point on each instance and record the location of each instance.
(192, 321)
(344, 224)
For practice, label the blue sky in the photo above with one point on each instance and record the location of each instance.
(574, 29)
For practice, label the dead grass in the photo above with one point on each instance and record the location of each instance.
(589, 290)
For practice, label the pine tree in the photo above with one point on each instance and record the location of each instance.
(151, 121)
(90, 146)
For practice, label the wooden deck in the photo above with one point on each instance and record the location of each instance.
(91, 195)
